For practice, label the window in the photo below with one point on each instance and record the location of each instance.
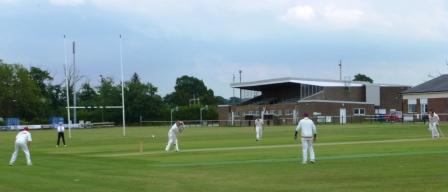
(359, 112)
(412, 106)
(423, 106)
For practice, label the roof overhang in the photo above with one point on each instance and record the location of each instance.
(257, 85)
(333, 101)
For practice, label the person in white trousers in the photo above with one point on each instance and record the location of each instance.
(177, 128)
(259, 128)
(23, 141)
(308, 133)
(433, 119)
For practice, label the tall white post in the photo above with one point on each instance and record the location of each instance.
(67, 90)
(122, 87)
(74, 83)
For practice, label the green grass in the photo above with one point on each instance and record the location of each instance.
(103, 160)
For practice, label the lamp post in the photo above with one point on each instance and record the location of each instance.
(172, 110)
(200, 113)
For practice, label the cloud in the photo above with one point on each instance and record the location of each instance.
(299, 13)
(67, 2)
(8, 1)
(344, 17)
(322, 16)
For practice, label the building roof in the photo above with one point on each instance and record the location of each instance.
(439, 84)
(316, 82)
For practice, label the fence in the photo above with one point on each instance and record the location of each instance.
(405, 118)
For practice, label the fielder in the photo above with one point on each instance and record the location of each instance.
(23, 141)
(433, 120)
(177, 128)
(308, 133)
(259, 126)
(60, 130)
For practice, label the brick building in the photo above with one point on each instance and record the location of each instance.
(432, 94)
(286, 99)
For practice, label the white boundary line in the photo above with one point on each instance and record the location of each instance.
(296, 159)
(263, 147)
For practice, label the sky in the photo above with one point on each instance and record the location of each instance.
(395, 42)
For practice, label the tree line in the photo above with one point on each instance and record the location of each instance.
(33, 96)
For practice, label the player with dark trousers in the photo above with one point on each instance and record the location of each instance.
(60, 130)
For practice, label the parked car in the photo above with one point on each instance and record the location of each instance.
(394, 116)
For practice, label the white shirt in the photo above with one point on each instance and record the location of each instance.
(174, 129)
(258, 122)
(60, 128)
(23, 137)
(307, 126)
(433, 119)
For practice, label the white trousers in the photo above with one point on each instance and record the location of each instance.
(307, 145)
(24, 148)
(172, 140)
(434, 131)
(259, 132)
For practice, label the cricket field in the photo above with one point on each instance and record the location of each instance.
(353, 157)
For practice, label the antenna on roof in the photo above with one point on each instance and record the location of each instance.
(241, 91)
(340, 69)
(233, 82)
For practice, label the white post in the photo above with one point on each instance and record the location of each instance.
(122, 88)
(67, 91)
(74, 84)
(200, 113)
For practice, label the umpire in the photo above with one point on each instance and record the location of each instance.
(60, 130)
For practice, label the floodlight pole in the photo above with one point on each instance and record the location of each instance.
(122, 87)
(67, 91)
(200, 113)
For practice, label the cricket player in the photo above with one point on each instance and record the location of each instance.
(176, 129)
(60, 130)
(433, 120)
(259, 128)
(308, 133)
(23, 141)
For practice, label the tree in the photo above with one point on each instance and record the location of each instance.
(142, 100)
(362, 77)
(88, 97)
(109, 95)
(188, 88)
(20, 95)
